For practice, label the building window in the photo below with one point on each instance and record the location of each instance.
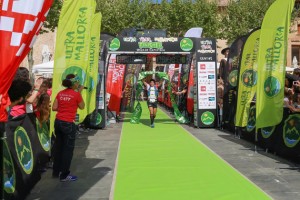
(296, 53)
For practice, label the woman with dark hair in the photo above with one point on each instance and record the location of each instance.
(152, 100)
(66, 104)
(22, 74)
(42, 108)
(27, 106)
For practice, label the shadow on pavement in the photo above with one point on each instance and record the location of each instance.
(248, 145)
(87, 169)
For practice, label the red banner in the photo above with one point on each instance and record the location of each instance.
(190, 92)
(115, 77)
(20, 23)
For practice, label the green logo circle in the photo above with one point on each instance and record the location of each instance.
(207, 118)
(23, 149)
(267, 131)
(9, 175)
(233, 78)
(272, 86)
(186, 44)
(98, 119)
(249, 78)
(44, 135)
(291, 135)
(77, 71)
(251, 119)
(115, 44)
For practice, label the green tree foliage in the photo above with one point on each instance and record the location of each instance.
(156, 15)
(241, 16)
(206, 15)
(53, 17)
(177, 16)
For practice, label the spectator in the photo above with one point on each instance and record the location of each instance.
(288, 98)
(44, 87)
(296, 72)
(19, 92)
(296, 86)
(296, 103)
(223, 62)
(220, 92)
(66, 104)
(183, 97)
(49, 83)
(26, 107)
(287, 83)
(42, 108)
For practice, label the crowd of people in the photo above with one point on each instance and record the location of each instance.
(292, 91)
(35, 98)
(26, 98)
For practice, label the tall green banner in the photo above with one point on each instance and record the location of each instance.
(92, 68)
(247, 78)
(77, 50)
(272, 63)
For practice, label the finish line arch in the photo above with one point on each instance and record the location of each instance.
(138, 109)
(198, 53)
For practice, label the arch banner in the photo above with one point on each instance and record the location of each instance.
(138, 109)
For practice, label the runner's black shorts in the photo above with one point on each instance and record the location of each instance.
(152, 104)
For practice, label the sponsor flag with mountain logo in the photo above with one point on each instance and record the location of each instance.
(247, 78)
(77, 51)
(272, 62)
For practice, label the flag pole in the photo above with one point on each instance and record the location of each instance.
(256, 140)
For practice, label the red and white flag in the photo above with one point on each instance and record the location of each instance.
(20, 23)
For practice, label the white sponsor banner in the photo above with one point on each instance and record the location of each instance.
(207, 85)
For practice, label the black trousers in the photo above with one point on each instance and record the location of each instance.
(63, 147)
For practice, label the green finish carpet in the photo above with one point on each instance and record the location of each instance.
(167, 163)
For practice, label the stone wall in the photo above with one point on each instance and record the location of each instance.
(43, 41)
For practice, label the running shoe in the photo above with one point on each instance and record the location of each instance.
(152, 125)
(69, 178)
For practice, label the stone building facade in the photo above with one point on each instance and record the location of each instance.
(293, 50)
(45, 44)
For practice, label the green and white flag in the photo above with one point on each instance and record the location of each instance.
(77, 51)
(272, 62)
(247, 78)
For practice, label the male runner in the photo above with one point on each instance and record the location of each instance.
(152, 100)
